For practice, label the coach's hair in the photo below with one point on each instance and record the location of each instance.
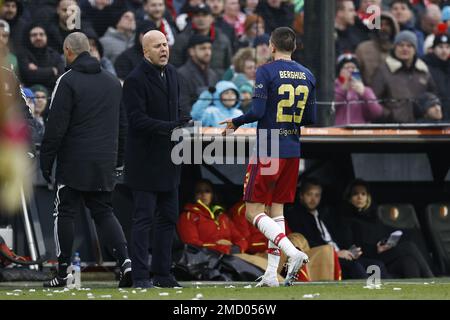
(77, 42)
(283, 39)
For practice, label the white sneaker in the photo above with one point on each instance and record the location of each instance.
(267, 281)
(294, 264)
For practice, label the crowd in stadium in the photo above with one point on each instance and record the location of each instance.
(399, 73)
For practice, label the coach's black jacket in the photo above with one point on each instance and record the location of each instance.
(83, 127)
(153, 112)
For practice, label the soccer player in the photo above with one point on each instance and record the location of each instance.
(284, 100)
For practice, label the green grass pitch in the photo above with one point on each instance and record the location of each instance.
(433, 289)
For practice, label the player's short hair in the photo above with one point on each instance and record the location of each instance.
(283, 39)
(78, 42)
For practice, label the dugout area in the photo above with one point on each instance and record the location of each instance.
(401, 169)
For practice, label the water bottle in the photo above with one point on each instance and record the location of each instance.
(77, 270)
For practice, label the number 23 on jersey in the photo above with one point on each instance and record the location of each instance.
(299, 94)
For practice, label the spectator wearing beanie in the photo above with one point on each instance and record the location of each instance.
(438, 62)
(355, 102)
(119, 38)
(130, 58)
(372, 53)
(196, 74)
(401, 79)
(428, 108)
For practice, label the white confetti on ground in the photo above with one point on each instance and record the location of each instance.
(125, 297)
(248, 287)
(32, 290)
(397, 289)
(163, 293)
(198, 283)
(199, 296)
(74, 294)
(310, 296)
(230, 286)
(17, 290)
(106, 296)
(425, 283)
(134, 291)
(49, 294)
(91, 297)
(197, 287)
(376, 286)
(143, 290)
(179, 291)
(89, 294)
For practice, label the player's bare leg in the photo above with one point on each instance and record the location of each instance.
(273, 232)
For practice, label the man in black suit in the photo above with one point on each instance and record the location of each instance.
(151, 97)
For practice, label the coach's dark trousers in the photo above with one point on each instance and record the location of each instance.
(68, 203)
(157, 211)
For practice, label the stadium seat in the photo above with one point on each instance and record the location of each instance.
(402, 216)
(438, 222)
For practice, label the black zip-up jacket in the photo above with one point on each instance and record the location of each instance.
(85, 128)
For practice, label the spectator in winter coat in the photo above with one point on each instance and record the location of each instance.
(96, 51)
(439, 64)
(155, 10)
(276, 13)
(404, 14)
(130, 58)
(202, 23)
(355, 102)
(402, 78)
(364, 229)
(102, 14)
(11, 11)
(234, 17)
(39, 64)
(347, 36)
(196, 75)
(308, 217)
(212, 107)
(205, 224)
(58, 27)
(117, 40)
(372, 53)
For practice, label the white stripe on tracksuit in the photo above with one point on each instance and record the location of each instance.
(56, 88)
(55, 214)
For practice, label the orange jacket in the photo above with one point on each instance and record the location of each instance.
(202, 226)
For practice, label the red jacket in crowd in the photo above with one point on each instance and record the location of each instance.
(207, 227)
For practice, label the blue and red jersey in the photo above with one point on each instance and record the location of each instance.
(284, 100)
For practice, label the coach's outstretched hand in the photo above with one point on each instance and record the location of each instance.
(230, 128)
